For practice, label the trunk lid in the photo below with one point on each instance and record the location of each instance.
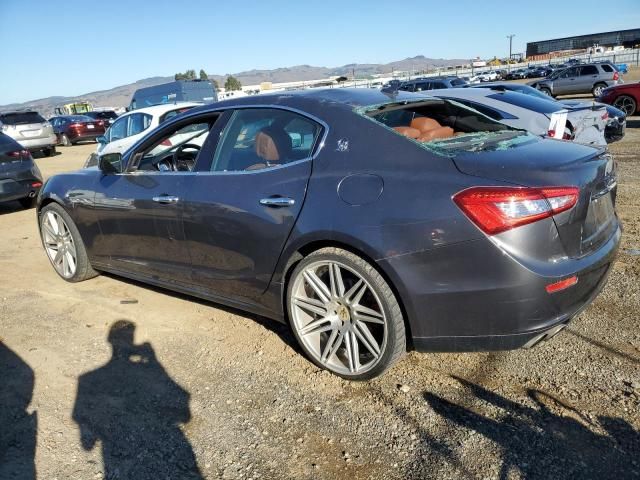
(545, 163)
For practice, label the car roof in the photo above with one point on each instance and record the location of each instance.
(163, 108)
(347, 98)
(14, 112)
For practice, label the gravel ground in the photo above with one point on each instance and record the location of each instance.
(113, 379)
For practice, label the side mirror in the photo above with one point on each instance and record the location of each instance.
(110, 163)
(102, 140)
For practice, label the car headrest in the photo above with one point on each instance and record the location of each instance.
(273, 144)
(440, 132)
(424, 124)
(408, 131)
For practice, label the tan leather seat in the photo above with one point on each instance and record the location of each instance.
(440, 132)
(408, 131)
(274, 146)
(424, 124)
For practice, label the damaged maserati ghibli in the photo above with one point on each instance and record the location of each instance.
(370, 222)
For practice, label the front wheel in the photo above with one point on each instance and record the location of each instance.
(626, 103)
(63, 245)
(546, 91)
(344, 315)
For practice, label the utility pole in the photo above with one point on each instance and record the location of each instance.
(510, 37)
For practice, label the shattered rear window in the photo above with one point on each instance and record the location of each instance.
(469, 130)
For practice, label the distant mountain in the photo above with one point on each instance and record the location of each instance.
(120, 96)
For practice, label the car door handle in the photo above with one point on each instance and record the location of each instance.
(277, 202)
(166, 199)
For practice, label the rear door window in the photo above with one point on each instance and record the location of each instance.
(437, 85)
(606, 68)
(589, 70)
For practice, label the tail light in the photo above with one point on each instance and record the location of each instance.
(605, 115)
(616, 75)
(36, 184)
(76, 125)
(562, 284)
(20, 154)
(497, 209)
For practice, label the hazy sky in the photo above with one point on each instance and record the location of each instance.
(74, 47)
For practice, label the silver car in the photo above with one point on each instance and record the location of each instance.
(542, 117)
(585, 78)
(30, 130)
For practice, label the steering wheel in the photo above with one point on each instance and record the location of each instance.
(179, 155)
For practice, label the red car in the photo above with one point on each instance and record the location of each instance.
(71, 129)
(625, 97)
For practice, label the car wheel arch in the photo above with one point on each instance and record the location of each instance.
(313, 246)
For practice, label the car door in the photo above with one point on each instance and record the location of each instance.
(140, 210)
(241, 207)
(566, 83)
(587, 78)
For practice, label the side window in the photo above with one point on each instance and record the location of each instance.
(420, 86)
(118, 130)
(263, 138)
(606, 68)
(138, 122)
(589, 70)
(437, 85)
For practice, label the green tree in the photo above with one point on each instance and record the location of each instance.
(188, 75)
(215, 84)
(203, 75)
(232, 83)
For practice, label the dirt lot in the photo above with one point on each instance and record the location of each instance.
(201, 391)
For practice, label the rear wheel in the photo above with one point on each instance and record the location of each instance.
(597, 89)
(626, 103)
(63, 245)
(65, 140)
(546, 91)
(344, 315)
(49, 152)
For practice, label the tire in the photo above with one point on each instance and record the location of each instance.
(60, 235)
(597, 89)
(64, 140)
(627, 104)
(357, 329)
(49, 152)
(28, 202)
(546, 91)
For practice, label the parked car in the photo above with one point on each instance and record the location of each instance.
(30, 130)
(584, 78)
(132, 126)
(538, 72)
(517, 74)
(107, 116)
(538, 116)
(71, 129)
(20, 178)
(490, 76)
(367, 221)
(616, 121)
(626, 97)
(431, 83)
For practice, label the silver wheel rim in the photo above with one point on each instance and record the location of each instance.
(338, 317)
(626, 104)
(598, 91)
(59, 245)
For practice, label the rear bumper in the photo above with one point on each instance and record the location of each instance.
(473, 297)
(76, 137)
(11, 189)
(38, 143)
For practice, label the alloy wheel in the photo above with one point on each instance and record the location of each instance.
(59, 244)
(626, 104)
(338, 317)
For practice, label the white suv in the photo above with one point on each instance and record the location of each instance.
(132, 126)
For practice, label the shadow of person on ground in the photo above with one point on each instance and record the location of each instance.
(538, 443)
(134, 409)
(18, 428)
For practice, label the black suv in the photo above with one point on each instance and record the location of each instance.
(432, 83)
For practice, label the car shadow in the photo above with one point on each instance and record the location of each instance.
(282, 330)
(18, 427)
(633, 122)
(134, 410)
(10, 207)
(550, 439)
